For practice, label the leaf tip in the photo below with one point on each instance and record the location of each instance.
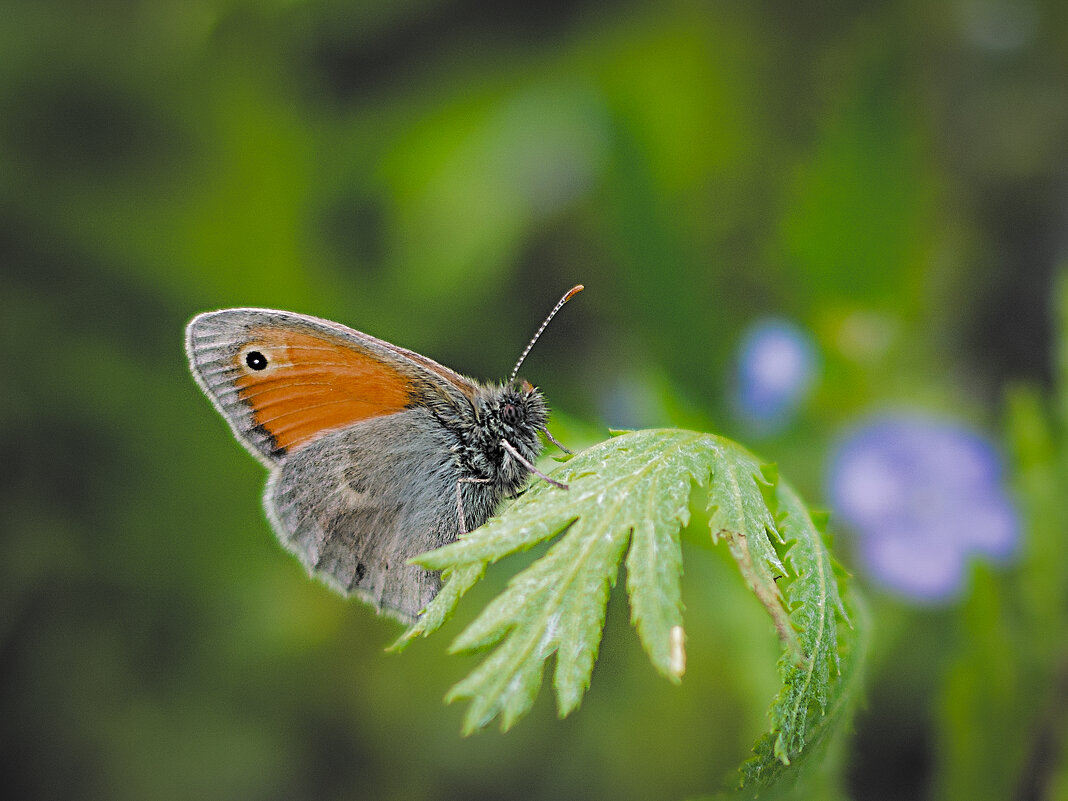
(677, 652)
(780, 750)
(770, 473)
(404, 640)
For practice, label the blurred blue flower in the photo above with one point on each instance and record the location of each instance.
(922, 496)
(776, 368)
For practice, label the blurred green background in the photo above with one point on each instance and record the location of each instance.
(891, 177)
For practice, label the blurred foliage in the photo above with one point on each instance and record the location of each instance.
(1010, 673)
(890, 176)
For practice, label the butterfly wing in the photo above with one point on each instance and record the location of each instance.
(356, 504)
(282, 379)
(363, 477)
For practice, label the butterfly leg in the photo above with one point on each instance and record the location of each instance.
(460, 499)
(552, 439)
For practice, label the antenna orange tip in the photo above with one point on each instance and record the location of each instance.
(573, 291)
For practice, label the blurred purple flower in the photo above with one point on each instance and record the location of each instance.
(922, 496)
(776, 366)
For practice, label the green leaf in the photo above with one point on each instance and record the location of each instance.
(820, 687)
(736, 512)
(638, 482)
(627, 501)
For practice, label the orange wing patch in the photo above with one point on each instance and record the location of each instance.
(299, 385)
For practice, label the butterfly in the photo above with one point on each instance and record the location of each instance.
(376, 453)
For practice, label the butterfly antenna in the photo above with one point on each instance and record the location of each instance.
(567, 296)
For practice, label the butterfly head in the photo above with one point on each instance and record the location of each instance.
(501, 439)
(512, 413)
(515, 412)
